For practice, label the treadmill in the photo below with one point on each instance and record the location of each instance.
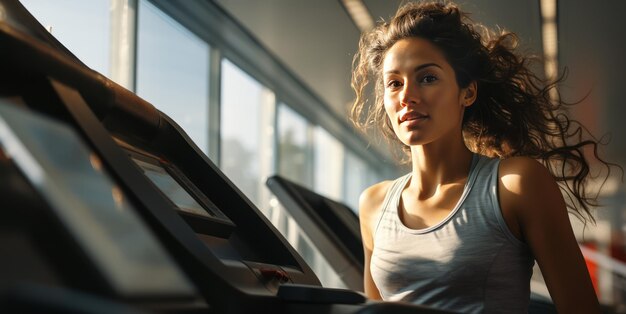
(217, 251)
(333, 228)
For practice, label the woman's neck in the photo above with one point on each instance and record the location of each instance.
(436, 165)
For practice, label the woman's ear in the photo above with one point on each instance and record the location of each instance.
(470, 93)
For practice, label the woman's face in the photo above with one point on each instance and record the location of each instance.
(421, 95)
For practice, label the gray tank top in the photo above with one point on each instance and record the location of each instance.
(469, 262)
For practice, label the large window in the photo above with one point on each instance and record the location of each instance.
(243, 130)
(329, 154)
(81, 26)
(358, 175)
(294, 153)
(173, 71)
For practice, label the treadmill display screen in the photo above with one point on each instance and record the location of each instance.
(89, 204)
(171, 188)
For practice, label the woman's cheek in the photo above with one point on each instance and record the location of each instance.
(388, 107)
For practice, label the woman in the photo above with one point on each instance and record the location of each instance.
(487, 145)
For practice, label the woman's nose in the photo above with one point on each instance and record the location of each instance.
(408, 96)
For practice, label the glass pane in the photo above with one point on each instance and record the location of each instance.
(242, 98)
(358, 176)
(173, 71)
(294, 159)
(328, 164)
(81, 26)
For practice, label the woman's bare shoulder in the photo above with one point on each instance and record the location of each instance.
(372, 198)
(523, 172)
(526, 185)
(521, 165)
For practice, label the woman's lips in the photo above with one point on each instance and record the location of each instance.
(412, 116)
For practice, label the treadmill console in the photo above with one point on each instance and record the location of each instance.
(89, 205)
(189, 201)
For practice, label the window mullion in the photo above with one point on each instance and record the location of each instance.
(124, 42)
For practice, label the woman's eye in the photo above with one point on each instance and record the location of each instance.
(393, 84)
(429, 79)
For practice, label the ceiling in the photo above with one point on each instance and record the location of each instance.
(317, 40)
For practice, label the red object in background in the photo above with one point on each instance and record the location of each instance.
(616, 248)
(592, 267)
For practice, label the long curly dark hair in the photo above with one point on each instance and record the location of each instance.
(516, 113)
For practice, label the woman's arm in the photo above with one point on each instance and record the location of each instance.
(530, 195)
(369, 208)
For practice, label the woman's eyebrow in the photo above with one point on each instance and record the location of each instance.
(417, 68)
